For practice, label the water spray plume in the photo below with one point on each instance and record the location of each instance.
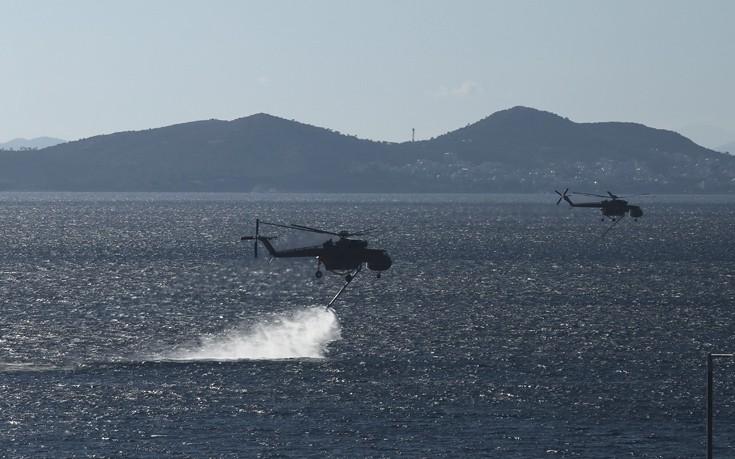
(303, 334)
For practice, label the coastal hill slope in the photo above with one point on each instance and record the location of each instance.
(515, 150)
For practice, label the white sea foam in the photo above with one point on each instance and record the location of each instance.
(302, 334)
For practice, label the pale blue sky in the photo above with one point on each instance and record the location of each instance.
(374, 69)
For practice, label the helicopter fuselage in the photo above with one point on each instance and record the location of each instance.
(611, 208)
(341, 257)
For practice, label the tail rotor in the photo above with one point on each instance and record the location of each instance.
(257, 235)
(562, 196)
(255, 238)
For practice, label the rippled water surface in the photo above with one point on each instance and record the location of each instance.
(138, 325)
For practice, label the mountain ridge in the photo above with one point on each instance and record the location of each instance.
(520, 149)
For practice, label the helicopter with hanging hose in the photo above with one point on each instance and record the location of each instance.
(614, 208)
(345, 256)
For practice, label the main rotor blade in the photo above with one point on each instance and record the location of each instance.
(634, 195)
(590, 194)
(313, 230)
(320, 231)
(297, 227)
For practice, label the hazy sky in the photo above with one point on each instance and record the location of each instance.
(375, 69)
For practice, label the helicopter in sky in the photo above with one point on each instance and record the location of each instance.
(613, 207)
(345, 257)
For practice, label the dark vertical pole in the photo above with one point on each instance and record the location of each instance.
(257, 234)
(709, 405)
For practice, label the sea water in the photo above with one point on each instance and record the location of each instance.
(139, 325)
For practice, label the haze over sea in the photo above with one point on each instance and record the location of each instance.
(138, 325)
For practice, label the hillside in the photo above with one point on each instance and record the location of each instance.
(515, 150)
(727, 148)
(527, 150)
